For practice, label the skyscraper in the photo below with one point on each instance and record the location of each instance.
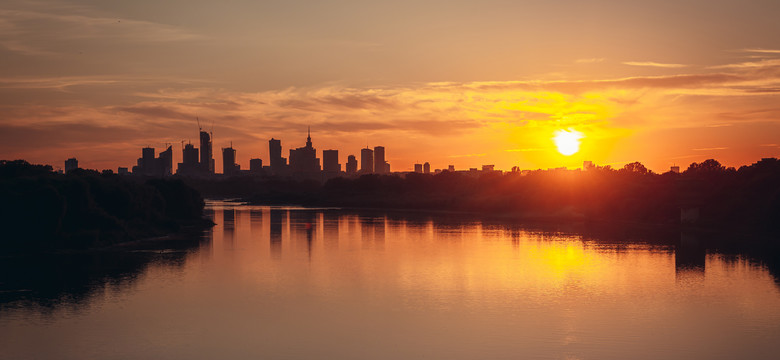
(277, 162)
(330, 161)
(366, 161)
(189, 160)
(147, 164)
(379, 159)
(165, 162)
(206, 157)
(71, 164)
(303, 160)
(418, 168)
(351, 164)
(255, 165)
(427, 168)
(229, 166)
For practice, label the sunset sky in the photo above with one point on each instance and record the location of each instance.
(449, 82)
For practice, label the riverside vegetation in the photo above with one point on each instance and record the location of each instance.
(46, 211)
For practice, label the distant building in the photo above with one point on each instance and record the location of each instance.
(330, 162)
(366, 161)
(122, 171)
(418, 168)
(146, 162)
(451, 168)
(206, 156)
(675, 169)
(277, 162)
(379, 160)
(487, 168)
(71, 164)
(164, 162)
(303, 160)
(189, 164)
(255, 166)
(148, 165)
(229, 166)
(352, 164)
(427, 168)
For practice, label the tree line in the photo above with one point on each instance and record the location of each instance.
(44, 210)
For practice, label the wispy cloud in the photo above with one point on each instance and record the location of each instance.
(510, 118)
(766, 63)
(589, 60)
(762, 51)
(654, 64)
(710, 149)
(42, 28)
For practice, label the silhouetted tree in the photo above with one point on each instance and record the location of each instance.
(635, 168)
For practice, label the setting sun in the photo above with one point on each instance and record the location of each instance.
(568, 141)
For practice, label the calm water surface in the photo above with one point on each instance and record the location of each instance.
(290, 283)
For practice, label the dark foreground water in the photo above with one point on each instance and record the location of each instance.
(289, 283)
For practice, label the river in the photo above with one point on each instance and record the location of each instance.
(295, 283)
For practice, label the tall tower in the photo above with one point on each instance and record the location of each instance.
(366, 161)
(229, 166)
(165, 162)
(303, 160)
(275, 153)
(206, 158)
(330, 161)
(189, 163)
(379, 159)
(351, 164)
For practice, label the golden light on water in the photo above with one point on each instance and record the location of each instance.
(567, 141)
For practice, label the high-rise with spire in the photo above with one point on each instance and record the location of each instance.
(303, 160)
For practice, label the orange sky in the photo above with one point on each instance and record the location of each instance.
(448, 82)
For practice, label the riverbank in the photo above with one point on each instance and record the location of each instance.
(43, 211)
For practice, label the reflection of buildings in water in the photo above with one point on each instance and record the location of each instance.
(448, 226)
(277, 218)
(690, 257)
(372, 229)
(330, 229)
(206, 245)
(228, 225)
(256, 221)
(515, 235)
(302, 223)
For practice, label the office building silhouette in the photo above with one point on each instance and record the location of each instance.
(330, 162)
(229, 166)
(255, 166)
(366, 161)
(352, 164)
(379, 159)
(148, 165)
(189, 164)
(206, 157)
(71, 164)
(427, 168)
(303, 160)
(277, 162)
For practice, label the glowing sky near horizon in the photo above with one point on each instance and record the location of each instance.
(449, 82)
